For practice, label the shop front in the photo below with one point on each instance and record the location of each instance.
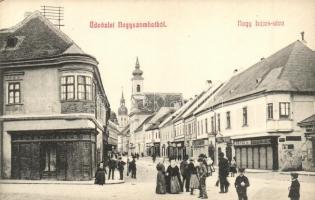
(257, 153)
(179, 152)
(59, 155)
(200, 146)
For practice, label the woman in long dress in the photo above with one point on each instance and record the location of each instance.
(194, 181)
(100, 174)
(174, 177)
(160, 179)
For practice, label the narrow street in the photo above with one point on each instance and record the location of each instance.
(263, 186)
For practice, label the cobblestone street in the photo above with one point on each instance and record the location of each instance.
(270, 185)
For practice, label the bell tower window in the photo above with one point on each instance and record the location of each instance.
(138, 88)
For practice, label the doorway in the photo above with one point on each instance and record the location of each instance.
(48, 160)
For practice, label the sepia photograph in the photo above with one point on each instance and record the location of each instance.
(157, 100)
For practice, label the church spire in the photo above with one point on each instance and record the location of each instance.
(137, 71)
(122, 99)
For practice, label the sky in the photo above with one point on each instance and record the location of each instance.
(202, 40)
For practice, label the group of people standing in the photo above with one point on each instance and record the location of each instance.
(112, 164)
(191, 175)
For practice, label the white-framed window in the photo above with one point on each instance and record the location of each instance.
(270, 111)
(284, 109)
(67, 87)
(14, 92)
(84, 87)
(228, 120)
(245, 123)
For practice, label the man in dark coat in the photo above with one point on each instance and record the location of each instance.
(120, 167)
(133, 168)
(111, 165)
(224, 170)
(294, 189)
(184, 173)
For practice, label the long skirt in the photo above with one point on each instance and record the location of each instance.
(100, 177)
(194, 182)
(175, 185)
(160, 183)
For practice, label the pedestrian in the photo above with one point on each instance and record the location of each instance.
(121, 166)
(128, 166)
(233, 167)
(241, 185)
(160, 179)
(202, 174)
(100, 174)
(133, 168)
(209, 166)
(174, 178)
(112, 166)
(183, 170)
(294, 189)
(192, 173)
(153, 158)
(224, 170)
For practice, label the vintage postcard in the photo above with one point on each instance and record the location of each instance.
(141, 100)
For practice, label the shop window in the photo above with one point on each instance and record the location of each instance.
(245, 116)
(84, 88)
(67, 87)
(14, 93)
(270, 111)
(284, 110)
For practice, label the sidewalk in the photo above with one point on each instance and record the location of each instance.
(91, 182)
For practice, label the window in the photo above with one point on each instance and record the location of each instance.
(245, 116)
(14, 91)
(219, 125)
(11, 42)
(212, 124)
(138, 88)
(201, 127)
(228, 120)
(270, 111)
(67, 87)
(284, 108)
(206, 124)
(84, 88)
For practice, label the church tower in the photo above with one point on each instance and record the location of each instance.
(137, 79)
(123, 118)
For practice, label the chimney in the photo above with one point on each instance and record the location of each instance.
(302, 36)
(235, 71)
(208, 84)
(261, 59)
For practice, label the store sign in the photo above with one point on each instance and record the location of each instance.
(242, 142)
(179, 144)
(252, 142)
(199, 142)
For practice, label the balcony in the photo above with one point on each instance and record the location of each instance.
(281, 125)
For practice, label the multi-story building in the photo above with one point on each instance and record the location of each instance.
(53, 107)
(144, 104)
(112, 141)
(255, 114)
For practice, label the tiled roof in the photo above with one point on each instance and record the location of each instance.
(151, 102)
(308, 121)
(140, 127)
(37, 38)
(159, 118)
(278, 72)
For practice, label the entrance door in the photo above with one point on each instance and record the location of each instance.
(48, 160)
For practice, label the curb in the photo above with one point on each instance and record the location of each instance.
(58, 182)
(299, 173)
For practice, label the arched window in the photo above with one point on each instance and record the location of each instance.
(138, 88)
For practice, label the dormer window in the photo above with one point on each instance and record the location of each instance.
(11, 42)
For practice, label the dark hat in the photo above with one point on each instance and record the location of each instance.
(294, 175)
(241, 169)
(221, 154)
(200, 159)
(191, 159)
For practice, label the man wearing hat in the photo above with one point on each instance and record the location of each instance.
(294, 189)
(224, 170)
(241, 184)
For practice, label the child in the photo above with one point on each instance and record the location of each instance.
(202, 174)
(294, 189)
(241, 184)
